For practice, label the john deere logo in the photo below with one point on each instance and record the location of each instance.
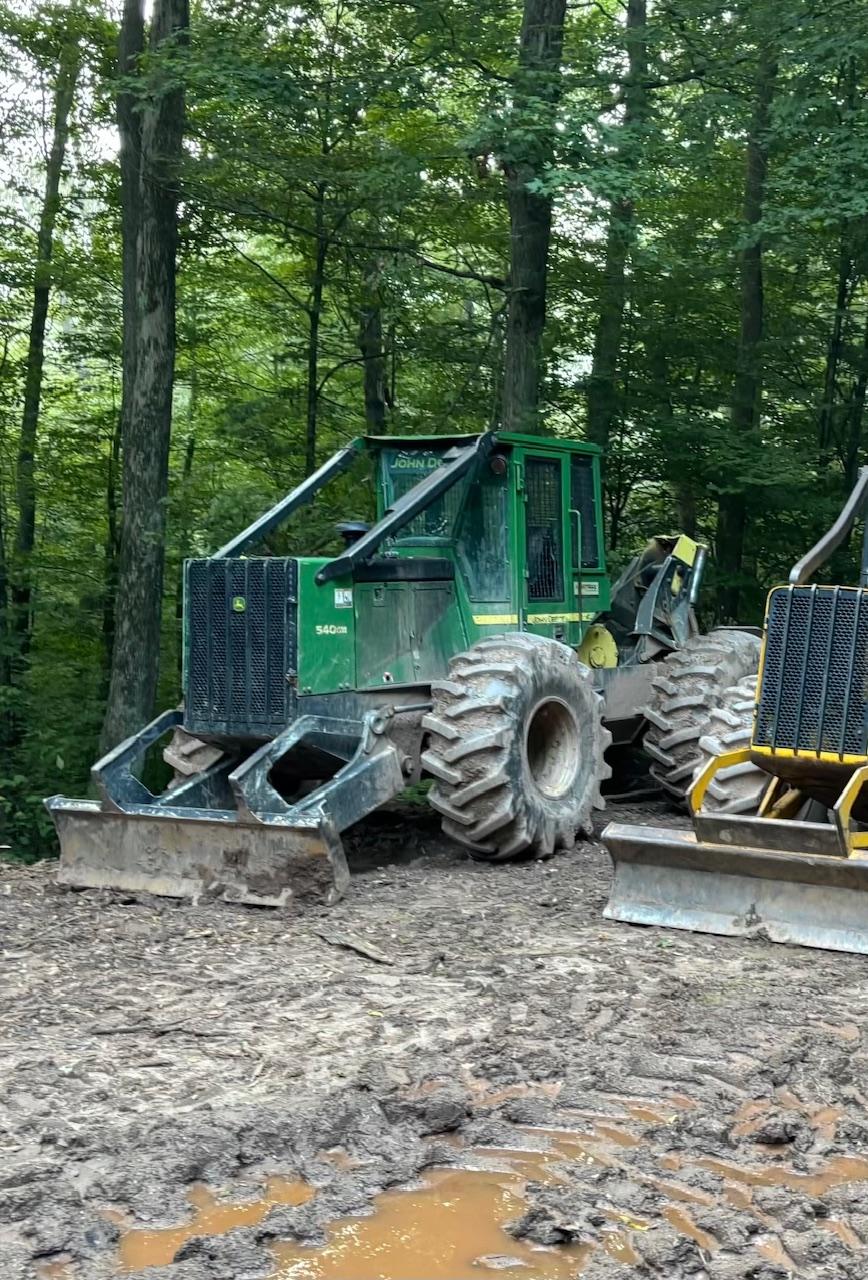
(239, 604)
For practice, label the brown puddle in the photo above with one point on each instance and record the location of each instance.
(489, 1096)
(740, 1198)
(573, 1146)
(843, 1231)
(839, 1171)
(825, 1121)
(750, 1116)
(533, 1166)
(60, 1269)
(772, 1249)
(681, 1100)
(629, 1219)
(618, 1246)
(452, 1225)
(649, 1115)
(449, 1227)
(681, 1220)
(621, 1137)
(140, 1248)
(445, 1230)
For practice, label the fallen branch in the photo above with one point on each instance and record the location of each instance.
(351, 942)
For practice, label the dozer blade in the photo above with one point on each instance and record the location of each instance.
(263, 863)
(187, 842)
(671, 878)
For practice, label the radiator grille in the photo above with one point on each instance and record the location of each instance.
(241, 645)
(814, 694)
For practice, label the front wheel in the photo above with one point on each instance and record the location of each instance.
(515, 747)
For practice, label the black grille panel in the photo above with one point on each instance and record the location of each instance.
(814, 694)
(240, 645)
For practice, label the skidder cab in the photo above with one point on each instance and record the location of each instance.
(470, 635)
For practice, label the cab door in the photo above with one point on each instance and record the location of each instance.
(545, 543)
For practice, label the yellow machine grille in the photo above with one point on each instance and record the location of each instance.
(813, 696)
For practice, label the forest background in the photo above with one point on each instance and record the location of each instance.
(235, 236)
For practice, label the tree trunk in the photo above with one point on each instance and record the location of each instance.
(5, 656)
(22, 585)
(537, 92)
(317, 285)
(603, 400)
(826, 422)
(130, 46)
(747, 385)
(855, 416)
(373, 356)
(131, 43)
(846, 282)
(681, 477)
(185, 521)
(112, 541)
(135, 664)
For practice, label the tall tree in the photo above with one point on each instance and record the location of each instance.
(131, 43)
(603, 380)
(148, 424)
(371, 350)
(537, 90)
(68, 66)
(747, 384)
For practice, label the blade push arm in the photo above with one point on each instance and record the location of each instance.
(300, 496)
(831, 541)
(457, 462)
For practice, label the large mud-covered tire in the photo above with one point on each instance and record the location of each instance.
(739, 788)
(515, 747)
(691, 682)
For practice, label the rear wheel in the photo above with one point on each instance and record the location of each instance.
(515, 747)
(691, 682)
(739, 788)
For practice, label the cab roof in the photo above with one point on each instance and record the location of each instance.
(508, 438)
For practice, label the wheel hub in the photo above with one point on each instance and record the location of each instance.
(552, 747)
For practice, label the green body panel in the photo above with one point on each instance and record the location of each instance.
(388, 633)
(326, 632)
(406, 632)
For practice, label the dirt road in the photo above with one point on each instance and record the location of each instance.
(714, 1089)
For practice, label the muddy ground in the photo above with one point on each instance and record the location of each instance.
(147, 1045)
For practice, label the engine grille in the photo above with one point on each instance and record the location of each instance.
(814, 691)
(240, 645)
